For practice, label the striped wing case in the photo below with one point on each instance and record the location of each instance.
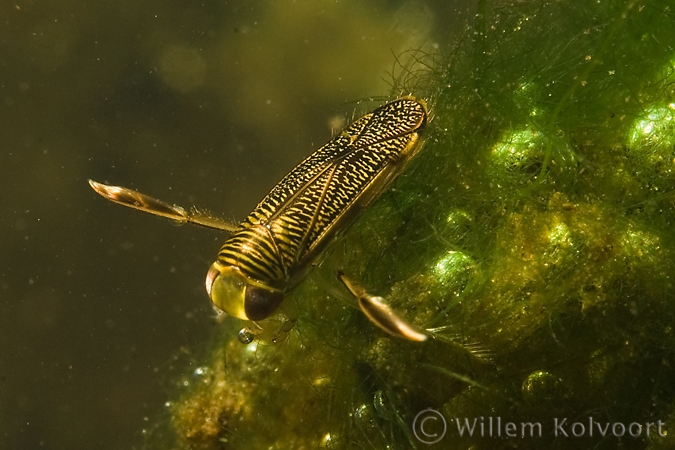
(324, 194)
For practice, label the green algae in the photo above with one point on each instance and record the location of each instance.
(532, 238)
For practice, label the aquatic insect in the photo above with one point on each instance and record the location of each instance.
(272, 250)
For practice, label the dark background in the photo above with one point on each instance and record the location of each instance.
(207, 103)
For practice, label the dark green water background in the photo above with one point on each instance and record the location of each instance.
(206, 103)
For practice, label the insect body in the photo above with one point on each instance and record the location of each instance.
(273, 248)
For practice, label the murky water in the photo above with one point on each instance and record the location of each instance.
(204, 103)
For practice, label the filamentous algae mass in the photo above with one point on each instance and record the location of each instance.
(532, 238)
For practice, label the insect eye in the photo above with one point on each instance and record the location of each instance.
(259, 302)
(226, 287)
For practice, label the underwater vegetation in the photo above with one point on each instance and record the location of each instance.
(533, 238)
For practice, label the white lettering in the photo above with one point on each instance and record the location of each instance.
(466, 428)
(661, 433)
(649, 424)
(623, 429)
(603, 432)
(531, 427)
(559, 427)
(578, 429)
(639, 429)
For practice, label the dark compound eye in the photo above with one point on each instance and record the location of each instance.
(259, 303)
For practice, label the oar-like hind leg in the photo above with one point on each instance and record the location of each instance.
(145, 203)
(380, 313)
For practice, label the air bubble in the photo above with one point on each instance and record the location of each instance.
(245, 336)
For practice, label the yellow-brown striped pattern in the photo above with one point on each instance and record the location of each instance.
(320, 195)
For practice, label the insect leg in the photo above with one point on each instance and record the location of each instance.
(380, 313)
(142, 202)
